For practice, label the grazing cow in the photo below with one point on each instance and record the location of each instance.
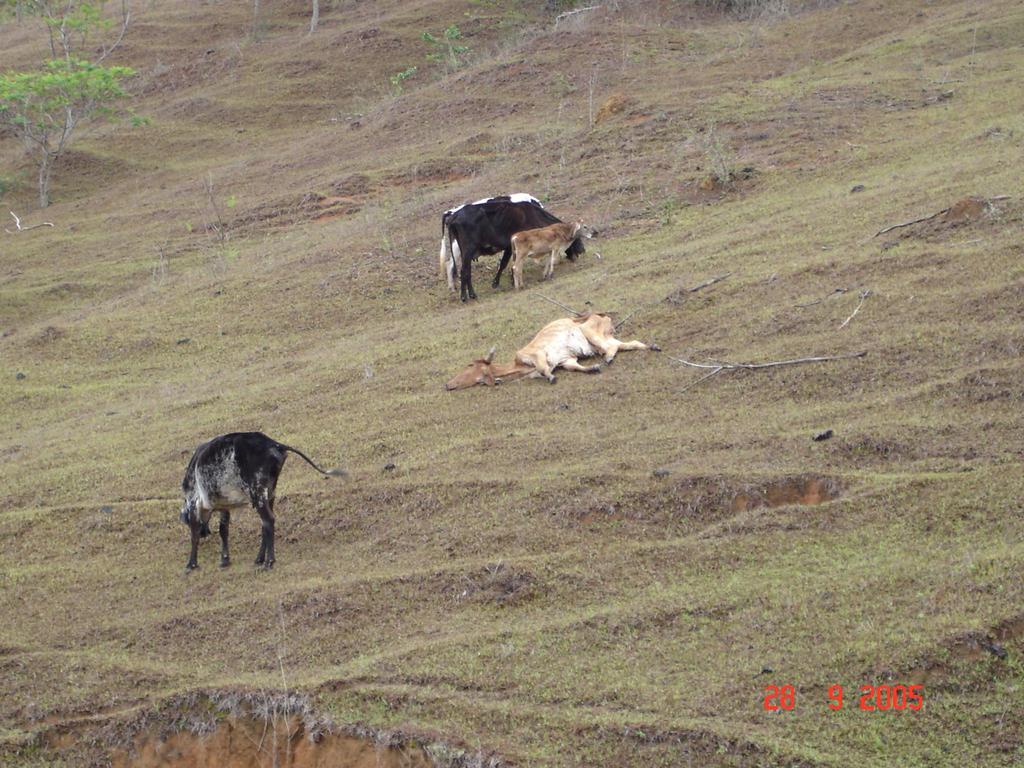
(235, 470)
(546, 241)
(559, 344)
(486, 227)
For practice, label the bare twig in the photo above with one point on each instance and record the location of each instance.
(890, 228)
(818, 301)
(715, 372)
(717, 366)
(863, 297)
(558, 304)
(676, 292)
(19, 228)
(908, 223)
(565, 15)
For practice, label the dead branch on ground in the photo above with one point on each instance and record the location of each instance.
(908, 223)
(567, 14)
(717, 366)
(891, 227)
(863, 297)
(818, 301)
(558, 304)
(17, 223)
(669, 297)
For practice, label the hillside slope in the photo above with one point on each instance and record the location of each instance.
(607, 571)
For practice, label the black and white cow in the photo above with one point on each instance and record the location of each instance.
(486, 227)
(235, 470)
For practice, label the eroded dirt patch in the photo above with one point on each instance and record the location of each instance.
(790, 490)
(235, 729)
(696, 501)
(970, 646)
(249, 742)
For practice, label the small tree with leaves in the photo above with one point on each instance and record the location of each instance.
(45, 107)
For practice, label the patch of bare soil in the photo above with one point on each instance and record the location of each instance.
(613, 105)
(969, 646)
(248, 742)
(311, 206)
(967, 211)
(697, 501)
(789, 490)
(233, 729)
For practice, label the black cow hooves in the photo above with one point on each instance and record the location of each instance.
(191, 567)
(654, 348)
(552, 379)
(595, 369)
(225, 562)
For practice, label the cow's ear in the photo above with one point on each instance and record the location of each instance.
(489, 377)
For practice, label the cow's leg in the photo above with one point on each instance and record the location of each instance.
(549, 271)
(517, 268)
(615, 346)
(505, 257)
(194, 527)
(466, 277)
(540, 363)
(266, 555)
(572, 364)
(225, 518)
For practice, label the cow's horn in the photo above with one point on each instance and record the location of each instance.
(490, 355)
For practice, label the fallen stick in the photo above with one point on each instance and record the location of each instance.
(717, 366)
(558, 304)
(705, 284)
(818, 301)
(561, 16)
(17, 223)
(908, 223)
(863, 297)
(890, 228)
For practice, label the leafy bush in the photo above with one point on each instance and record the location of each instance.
(446, 49)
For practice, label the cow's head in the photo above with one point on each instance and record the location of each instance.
(579, 229)
(478, 372)
(485, 371)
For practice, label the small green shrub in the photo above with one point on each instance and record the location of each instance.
(447, 49)
(399, 78)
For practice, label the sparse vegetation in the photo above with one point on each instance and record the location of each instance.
(398, 79)
(447, 49)
(604, 572)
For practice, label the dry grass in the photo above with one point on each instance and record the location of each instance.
(521, 579)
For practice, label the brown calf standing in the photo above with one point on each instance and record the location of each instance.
(546, 241)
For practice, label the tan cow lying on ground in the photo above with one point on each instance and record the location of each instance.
(559, 344)
(546, 241)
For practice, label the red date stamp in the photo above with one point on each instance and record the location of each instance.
(873, 698)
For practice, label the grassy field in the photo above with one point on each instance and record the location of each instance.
(603, 572)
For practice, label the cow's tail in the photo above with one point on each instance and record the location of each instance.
(313, 464)
(449, 268)
(446, 249)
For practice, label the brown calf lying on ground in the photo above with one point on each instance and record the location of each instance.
(558, 344)
(546, 241)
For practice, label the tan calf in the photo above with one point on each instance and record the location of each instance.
(559, 344)
(547, 241)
